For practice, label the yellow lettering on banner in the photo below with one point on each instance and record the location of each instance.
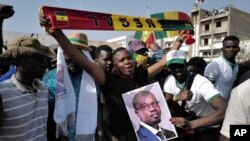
(126, 23)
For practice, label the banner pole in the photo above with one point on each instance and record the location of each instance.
(150, 17)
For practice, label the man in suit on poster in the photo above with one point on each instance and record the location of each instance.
(148, 110)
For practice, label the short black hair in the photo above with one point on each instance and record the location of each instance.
(100, 48)
(139, 94)
(197, 61)
(231, 38)
(118, 49)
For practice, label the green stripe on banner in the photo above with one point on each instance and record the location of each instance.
(138, 35)
(159, 34)
(158, 16)
(61, 13)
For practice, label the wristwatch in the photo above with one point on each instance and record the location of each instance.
(179, 40)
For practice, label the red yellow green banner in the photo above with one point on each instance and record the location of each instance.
(62, 18)
(149, 36)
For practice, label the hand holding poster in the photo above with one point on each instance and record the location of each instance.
(63, 18)
(149, 113)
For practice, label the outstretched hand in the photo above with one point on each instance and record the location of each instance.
(6, 11)
(46, 24)
(186, 35)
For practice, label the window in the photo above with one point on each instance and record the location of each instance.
(217, 39)
(205, 41)
(207, 27)
(218, 24)
(206, 54)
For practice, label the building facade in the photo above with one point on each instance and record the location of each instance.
(212, 26)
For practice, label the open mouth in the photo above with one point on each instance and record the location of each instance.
(130, 68)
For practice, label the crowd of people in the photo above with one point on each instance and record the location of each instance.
(74, 92)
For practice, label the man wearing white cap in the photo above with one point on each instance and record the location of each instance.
(199, 96)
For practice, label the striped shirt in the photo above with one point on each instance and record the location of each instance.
(24, 112)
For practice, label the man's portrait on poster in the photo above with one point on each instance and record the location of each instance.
(149, 113)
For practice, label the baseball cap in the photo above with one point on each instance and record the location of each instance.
(136, 45)
(176, 57)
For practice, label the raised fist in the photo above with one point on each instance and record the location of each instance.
(6, 11)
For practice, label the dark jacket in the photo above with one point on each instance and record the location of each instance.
(146, 135)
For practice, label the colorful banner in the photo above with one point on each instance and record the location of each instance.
(62, 18)
(149, 36)
(171, 15)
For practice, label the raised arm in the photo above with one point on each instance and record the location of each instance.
(159, 66)
(6, 11)
(75, 54)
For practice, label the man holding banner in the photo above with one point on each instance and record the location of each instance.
(125, 77)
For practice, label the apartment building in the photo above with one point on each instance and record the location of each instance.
(212, 26)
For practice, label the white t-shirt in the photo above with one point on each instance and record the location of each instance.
(238, 110)
(223, 74)
(203, 93)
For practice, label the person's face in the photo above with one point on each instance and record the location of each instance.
(73, 68)
(105, 60)
(230, 49)
(123, 63)
(148, 109)
(34, 66)
(178, 71)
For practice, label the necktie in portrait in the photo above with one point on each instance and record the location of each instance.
(160, 134)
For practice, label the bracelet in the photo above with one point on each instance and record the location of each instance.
(179, 40)
(175, 98)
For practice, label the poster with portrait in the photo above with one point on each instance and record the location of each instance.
(149, 113)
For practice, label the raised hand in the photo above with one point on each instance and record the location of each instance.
(6, 11)
(46, 25)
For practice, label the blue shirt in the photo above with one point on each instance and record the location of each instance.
(7, 75)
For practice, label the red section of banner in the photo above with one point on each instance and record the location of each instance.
(183, 16)
(91, 20)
